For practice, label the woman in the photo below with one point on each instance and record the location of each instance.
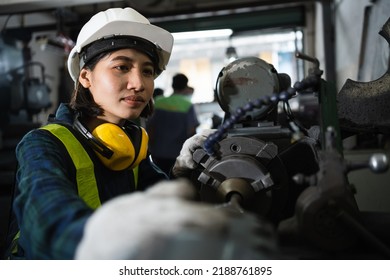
(90, 151)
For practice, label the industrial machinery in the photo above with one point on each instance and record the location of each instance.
(24, 93)
(264, 160)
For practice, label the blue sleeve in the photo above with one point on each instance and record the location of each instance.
(50, 214)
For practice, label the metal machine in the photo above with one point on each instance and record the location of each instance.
(263, 160)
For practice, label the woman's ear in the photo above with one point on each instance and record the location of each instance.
(84, 78)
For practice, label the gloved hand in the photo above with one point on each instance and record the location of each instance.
(136, 226)
(184, 162)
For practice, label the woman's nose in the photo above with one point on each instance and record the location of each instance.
(135, 81)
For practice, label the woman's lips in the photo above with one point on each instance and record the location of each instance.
(133, 99)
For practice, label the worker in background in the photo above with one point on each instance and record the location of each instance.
(172, 123)
(91, 152)
(158, 92)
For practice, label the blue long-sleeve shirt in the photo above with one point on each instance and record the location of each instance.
(49, 213)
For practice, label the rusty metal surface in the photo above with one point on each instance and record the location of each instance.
(365, 106)
(244, 80)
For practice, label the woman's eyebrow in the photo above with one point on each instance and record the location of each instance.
(122, 57)
(129, 59)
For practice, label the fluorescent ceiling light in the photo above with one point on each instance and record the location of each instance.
(202, 34)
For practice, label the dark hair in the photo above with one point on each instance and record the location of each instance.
(179, 82)
(82, 100)
(158, 92)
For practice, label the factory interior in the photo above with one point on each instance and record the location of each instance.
(315, 167)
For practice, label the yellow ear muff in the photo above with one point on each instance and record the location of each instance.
(116, 139)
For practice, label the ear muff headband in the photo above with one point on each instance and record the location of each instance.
(96, 144)
(140, 140)
(117, 148)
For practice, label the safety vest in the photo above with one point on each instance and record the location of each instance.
(85, 175)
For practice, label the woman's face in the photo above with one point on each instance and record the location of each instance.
(121, 83)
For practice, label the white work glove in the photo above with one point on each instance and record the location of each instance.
(136, 226)
(184, 162)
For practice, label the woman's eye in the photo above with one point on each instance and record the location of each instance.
(122, 67)
(149, 72)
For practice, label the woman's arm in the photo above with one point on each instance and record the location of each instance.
(50, 214)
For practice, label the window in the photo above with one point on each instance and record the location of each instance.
(202, 58)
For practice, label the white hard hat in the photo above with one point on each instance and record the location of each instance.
(121, 28)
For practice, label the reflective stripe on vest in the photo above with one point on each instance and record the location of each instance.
(85, 175)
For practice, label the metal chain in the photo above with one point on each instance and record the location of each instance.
(211, 143)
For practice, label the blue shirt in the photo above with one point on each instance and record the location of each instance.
(49, 213)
